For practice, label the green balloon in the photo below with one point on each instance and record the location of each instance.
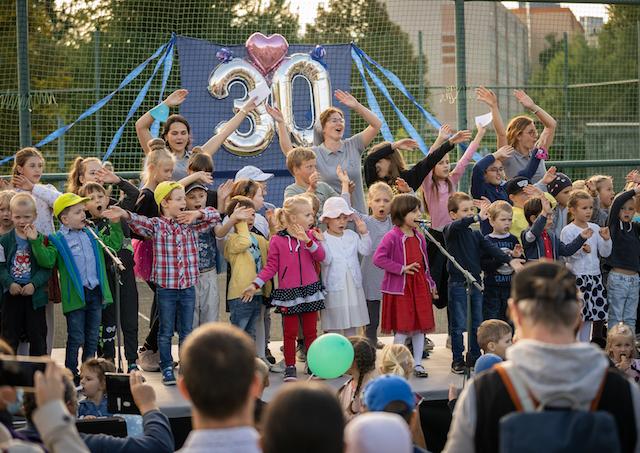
(330, 356)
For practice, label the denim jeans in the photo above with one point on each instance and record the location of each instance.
(494, 305)
(458, 310)
(174, 306)
(83, 327)
(245, 315)
(622, 292)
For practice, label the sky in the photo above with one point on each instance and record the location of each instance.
(307, 9)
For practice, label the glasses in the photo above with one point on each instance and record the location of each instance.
(495, 169)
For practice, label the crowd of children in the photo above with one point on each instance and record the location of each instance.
(317, 260)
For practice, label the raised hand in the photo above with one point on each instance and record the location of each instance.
(30, 231)
(143, 394)
(517, 251)
(352, 187)
(317, 234)
(402, 185)
(406, 144)
(546, 206)
(503, 153)
(342, 175)
(524, 99)
(483, 205)
(275, 114)
(241, 214)
(533, 191)
(5, 184)
(115, 213)
(346, 98)
(361, 227)
(187, 217)
(313, 180)
(298, 232)
(411, 269)
(48, 385)
(204, 177)
(176, 98)
(605, 233)
(633, 176)
(445, 132)
(249, 106)
(224, 190)
(105, 176)
(586, 233)
(549, 176)
(487, 96)
(21, 182)
(460, 137)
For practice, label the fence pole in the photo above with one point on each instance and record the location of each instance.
(565, 83)
(96, 77)
(22, 34)
(638, 65)
(461, 76)
(421, 81)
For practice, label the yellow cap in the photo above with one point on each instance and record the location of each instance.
(66, 200)
(164, 188)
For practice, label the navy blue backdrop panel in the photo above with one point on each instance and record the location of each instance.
(197, 59)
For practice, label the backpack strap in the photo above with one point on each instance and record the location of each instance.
(516, 387)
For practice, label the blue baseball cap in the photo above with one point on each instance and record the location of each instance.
(386, 389)
(486, 362)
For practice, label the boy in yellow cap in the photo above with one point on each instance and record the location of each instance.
(175, 261)
(83, 276)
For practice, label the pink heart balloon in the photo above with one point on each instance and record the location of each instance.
(266, 51)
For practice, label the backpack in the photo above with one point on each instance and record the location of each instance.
(539, 426)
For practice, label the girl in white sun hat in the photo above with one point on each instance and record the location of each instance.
(345, 303)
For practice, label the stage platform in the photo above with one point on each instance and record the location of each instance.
(435, 387)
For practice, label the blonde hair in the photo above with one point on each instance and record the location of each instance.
(290, 208)
(315, 201)
(297, 156)
(579, 184)
(396, 359)
(492, 330)
(22, 156)
(158, 153)
(576, 196)
(516, 126)
(379, 186)
(22, 199)
(597, 181)
(621, 330)
(497, 207)
(78, 168)
(6, 196)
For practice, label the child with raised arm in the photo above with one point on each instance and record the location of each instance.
(175, 263)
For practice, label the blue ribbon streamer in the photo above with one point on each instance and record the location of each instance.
(371, 99)
(166, 71)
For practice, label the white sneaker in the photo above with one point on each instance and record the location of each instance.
(148, 360)
(278, 367)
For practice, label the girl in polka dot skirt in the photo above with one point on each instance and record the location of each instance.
(585, 263)
(299, 296)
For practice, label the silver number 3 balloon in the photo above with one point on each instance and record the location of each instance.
(262, 127)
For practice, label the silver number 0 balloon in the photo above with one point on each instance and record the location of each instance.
(262, 127)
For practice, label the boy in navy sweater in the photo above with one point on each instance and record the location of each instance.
(497, 274)
(467, 246)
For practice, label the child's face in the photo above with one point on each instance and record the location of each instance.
(441, 170)
(621, 345)
(380, 204)
(582, 211)
(411, 217)
(500, 348)
(258, 198)
(163, 171)
(606, 193)
(304, 216)
(5, 216)
(493, 175)
(465, 209)
(337, 225)
(90, 383)
(32, 169)
(196, 199)
(382, 168)
(22, 216)
(563, 196)
(90, 169)
(305, 170)
(502, 222)
(98, 203)
(74, 217)
(627, 211)
(174, 203)
(252, 218)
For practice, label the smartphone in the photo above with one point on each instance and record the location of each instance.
(18, 371)
(119, 397)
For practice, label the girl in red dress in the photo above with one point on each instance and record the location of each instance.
(407, 286)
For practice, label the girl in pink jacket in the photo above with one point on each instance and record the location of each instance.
(299, 296)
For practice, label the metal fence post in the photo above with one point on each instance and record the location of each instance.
(22, 34)
(461, 75)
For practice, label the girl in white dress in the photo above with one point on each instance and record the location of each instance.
(345, 303)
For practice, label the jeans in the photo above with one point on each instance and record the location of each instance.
(622, 291)
(245, 315)
(175, 306)
(83, 327)
(458, 310)
(494, 305)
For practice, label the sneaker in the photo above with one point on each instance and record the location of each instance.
(270, 358)
(457, 367)
(132, 367)
(301, 355)
(448, 342)
(148, 360)
(168, 377)
(278, 367)
(425, 354)
(420, 372)
(429, 345)
(290, 374)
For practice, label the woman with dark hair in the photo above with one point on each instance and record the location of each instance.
(545, 309)
(176, 132)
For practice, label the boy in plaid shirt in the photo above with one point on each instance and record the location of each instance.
(175, 264)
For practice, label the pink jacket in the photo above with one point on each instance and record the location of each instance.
(292, 261)
(390, 257)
